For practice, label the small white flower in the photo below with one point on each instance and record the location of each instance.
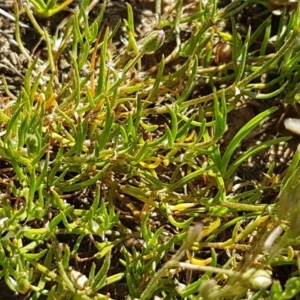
(57, 44)
(292, 125)
(272, 237)
(3, 220)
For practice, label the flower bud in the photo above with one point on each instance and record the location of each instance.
(261, 279)
(293, 125)
(154, 41)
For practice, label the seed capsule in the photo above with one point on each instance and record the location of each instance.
(282, 3)
(223, 53)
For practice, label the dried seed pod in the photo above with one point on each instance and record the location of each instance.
(282, 3)
(223, 53)
(277, 5)
(80, 280)
(279, 2)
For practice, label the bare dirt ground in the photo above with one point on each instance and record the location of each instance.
(13, 66)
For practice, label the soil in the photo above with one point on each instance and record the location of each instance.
(13, 66)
